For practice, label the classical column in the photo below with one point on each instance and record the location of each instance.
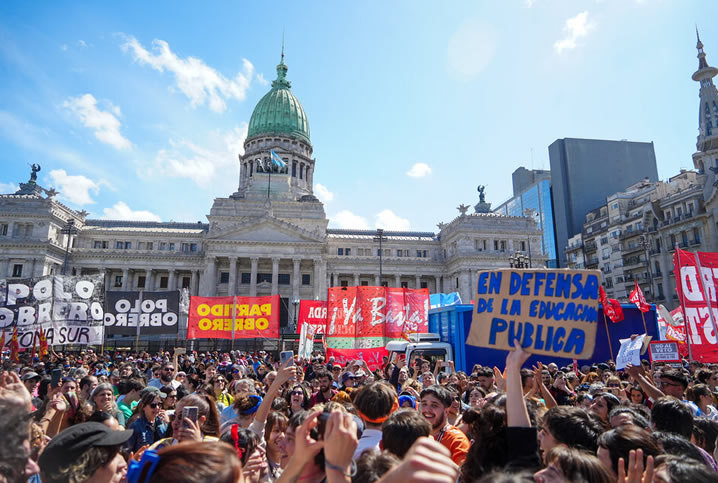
(148, 279)
(125, 278)
(417, 283)
(209, 278)
(193, 283)
(253, 280)
(317, 277)
(232, 287)
(329, 277)
(171, 282)
(323, 287)
(32, 267)
(437, 284)
(377, 282)
(4, 267)
(107, 278)
(275, 276)
(397, 280)
(356, 279)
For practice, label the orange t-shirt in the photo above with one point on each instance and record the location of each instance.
(455, 441)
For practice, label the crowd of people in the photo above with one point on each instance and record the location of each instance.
(244, 417)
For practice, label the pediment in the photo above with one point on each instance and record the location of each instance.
(266, 229)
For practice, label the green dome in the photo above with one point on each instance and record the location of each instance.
(279, 111)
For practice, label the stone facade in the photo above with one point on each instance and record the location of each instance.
(271, 236)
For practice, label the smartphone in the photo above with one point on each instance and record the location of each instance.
(285, 356)
(56, 376)
(189, 412)
(444, 364)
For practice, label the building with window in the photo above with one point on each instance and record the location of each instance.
(270, 236)
(585, 171)
(532, 198)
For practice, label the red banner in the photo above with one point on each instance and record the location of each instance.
(372, 357)
(698, 297)
(211, 317)
(639, 299)
(367, 317)
(314, 313)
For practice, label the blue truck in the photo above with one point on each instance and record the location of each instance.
(449, 327)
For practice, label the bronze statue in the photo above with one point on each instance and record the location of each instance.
(33, 176)
(482, 196)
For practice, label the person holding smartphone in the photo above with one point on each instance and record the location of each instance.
(152, 424)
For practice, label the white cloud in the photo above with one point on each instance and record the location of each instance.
(104, 123)
(198, 81)
(347, 219)
(77, 189)
(82, 43)
(388, 220)
(323, 193)
(262, 80)
(120, 211)
(529, 3)
(8, 188)
(470, 49)
(576, 27)
(203, 164)
(419, 170)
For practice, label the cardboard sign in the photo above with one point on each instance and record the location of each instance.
(154, 313)
(549, 312)
(630, 352)
(213, 317)
(313, 312)
(664, 351)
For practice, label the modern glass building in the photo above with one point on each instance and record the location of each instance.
(536, 197)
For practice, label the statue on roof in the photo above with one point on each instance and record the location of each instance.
(462, 209)
(33, 176)
(482, 206)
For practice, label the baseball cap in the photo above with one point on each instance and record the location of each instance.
(30, 375)
(71, 443)
(347, 375)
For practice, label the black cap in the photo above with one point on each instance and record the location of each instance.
(71, 443)
(30, 375)
(603, 366)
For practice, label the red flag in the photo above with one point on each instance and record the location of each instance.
(14, 347)
(611, 307)
(2, 341)
(43, 343)
(639, 299)
(34, 349)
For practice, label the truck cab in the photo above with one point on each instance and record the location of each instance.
(427, 346)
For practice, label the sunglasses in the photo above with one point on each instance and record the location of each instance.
(221, 381)
(155, 405)
(297, 393)
(169, 369)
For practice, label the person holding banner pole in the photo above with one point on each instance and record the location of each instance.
(677, 257)
(608, 336)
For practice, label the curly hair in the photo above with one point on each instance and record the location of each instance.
(83, 467)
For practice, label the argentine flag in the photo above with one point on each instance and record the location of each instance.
(277, 160)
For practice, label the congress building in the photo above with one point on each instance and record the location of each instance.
(268, 237)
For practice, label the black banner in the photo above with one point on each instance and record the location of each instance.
(155, 313)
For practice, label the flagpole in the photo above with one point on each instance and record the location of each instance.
(608, 336)
(643, 315)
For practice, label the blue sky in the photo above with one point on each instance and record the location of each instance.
(138, 110)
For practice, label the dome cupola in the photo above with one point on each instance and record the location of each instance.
(279, 111)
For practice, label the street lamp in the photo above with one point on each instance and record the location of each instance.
(295, 303)
(68, 230)
(380, 238)
(529, 213)
(519, 260)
